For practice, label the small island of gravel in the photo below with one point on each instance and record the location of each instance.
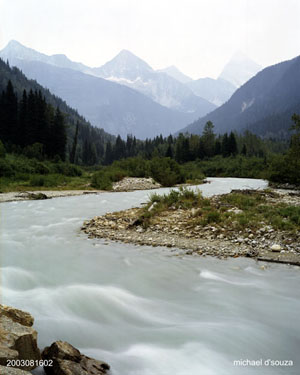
(261, 224)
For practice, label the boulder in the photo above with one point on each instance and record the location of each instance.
(18, 338)
(16, 315)
(12, 371)
(68, 360)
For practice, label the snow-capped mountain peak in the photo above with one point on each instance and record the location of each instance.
(124, 65)
(15, 50)
(239, 69)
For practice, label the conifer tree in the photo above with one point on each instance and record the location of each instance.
(23, 121)
(208, 138)
(74, 146)
(232, 145)
(108, 158)
(58, 135)
(9, 115)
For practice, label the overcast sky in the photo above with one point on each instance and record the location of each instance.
(198, 36)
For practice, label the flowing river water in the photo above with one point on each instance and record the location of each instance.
(141, 309)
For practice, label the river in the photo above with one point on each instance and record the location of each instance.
(141, 309)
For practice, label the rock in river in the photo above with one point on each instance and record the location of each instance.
(68, 360)
(18, 338)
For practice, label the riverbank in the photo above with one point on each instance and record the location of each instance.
(126, 184)
(215, 227)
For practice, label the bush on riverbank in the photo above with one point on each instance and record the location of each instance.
(19, 172)
(165, 171)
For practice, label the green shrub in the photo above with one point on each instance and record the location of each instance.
(2, 150)
(133, 167)
(37, 180)
(213, 217)
(34, 151)
(101, 180)
(67, 169)
(116, 174)
(166, 171)
(51, 180)
(6, 169)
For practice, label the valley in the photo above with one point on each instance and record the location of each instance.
(149, 188)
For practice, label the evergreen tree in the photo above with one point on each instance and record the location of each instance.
(232, 145)
(225, 146)
(9, 115)
(208, 138)
(119, 149)
(169, 152)
(108, 158)
(218, 147)
(23, 121)
(74, 146)
(58, 135)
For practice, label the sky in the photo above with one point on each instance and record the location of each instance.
(197, 36)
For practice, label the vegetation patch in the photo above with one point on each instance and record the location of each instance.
(235, 211)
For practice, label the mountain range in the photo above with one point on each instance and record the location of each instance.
(126, 96)
(129, 70)
(263, 105)
(106, 103)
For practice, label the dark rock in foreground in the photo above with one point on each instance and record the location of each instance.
(68, 360)
(18, 339)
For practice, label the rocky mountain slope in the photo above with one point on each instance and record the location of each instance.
(217, 91)
(129, 70)
(263, 105)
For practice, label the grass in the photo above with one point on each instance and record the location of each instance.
(234, 211)
(182, 198)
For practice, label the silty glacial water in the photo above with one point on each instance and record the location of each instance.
(141, 309)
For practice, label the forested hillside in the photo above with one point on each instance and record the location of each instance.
(28, 111)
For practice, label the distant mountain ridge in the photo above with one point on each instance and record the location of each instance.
(239, 69)
(129, 70)
(175, 73)
(15, 49)
(217, 91)
(263, 105)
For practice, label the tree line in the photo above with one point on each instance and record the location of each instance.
(189, 147)
(32, 126)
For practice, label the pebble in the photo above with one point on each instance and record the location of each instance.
(275, 247)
